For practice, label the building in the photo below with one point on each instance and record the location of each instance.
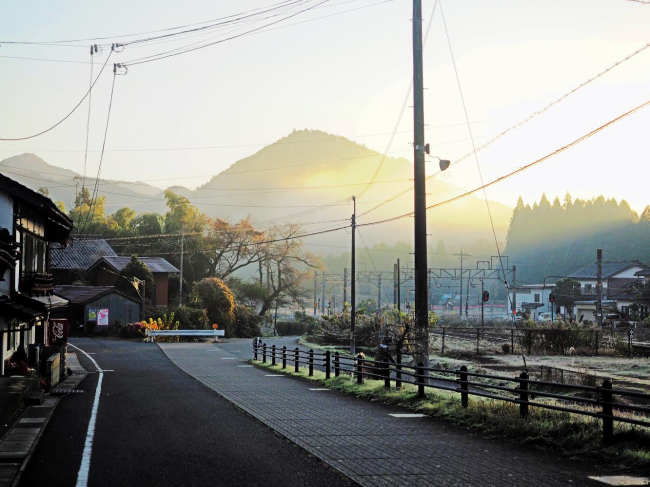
(87, 303)
(29, 224)
(70, 263)
(612, 272)
(531, 298)
(106, 272)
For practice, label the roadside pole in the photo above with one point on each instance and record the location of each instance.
(353, 296)
(180, 285)
(599, 288)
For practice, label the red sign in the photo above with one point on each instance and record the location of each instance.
(57, 330)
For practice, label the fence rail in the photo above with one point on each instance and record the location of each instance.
(601, 400)
(547, 341)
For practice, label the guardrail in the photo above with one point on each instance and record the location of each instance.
(185, 333)
(523, 390)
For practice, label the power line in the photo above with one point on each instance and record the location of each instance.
(478, 165)
(164, 55)
(521, 169)
(71, 112)
(519, 124)
(93, 200)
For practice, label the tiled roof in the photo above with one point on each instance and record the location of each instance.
(80, 254)
(83, 294)
(154, 264)
(609, 269)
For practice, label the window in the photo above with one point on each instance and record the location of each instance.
(588, 288)
(537, 300)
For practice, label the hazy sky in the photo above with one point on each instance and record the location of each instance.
(346, 74)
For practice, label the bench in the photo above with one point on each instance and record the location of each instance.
(185, 333)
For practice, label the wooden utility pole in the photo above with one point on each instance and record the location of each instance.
(599, 287)
(345, 286)
(180, 286)
(514, 293)
(353, 296)
(420, 221)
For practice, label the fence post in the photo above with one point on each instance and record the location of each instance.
(523, 395)
(512, 340)
(630, 335)
(478, 335)
(419, 372)
(337, 365)
(386, 367)
(443, 340)
(284, 357)
(464, 386)
(264, 353)
(608, 423)
(273, 355)
(255, 346)
(296, 359)
(530, 340)
(327, 364)
(311, 362)
(359, 367)
(398, 373)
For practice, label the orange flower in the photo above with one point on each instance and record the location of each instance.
(215, 326)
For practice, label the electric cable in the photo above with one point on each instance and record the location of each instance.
(478, 165)
(519, 124)
(516, 171)
(93, 200)
(68, 115)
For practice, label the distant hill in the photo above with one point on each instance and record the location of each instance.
(34, 172)
(292, 179)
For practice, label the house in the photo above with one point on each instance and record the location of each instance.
(531, 298)
(90, 303)
(611, 272)
(70, 263)
(106, 272)
(632, 295)
(30, 224)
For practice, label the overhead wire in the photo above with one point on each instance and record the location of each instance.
(478, 165)
(516, 171)
(518, 124)
(95, 196)
(168, 54)
(12, 139)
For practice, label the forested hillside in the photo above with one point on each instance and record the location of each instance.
(556, 239)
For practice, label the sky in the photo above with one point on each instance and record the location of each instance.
(345, 68)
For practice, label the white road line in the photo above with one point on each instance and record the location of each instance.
(84, 468)
(407, 415)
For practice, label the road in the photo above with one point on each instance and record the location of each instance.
(158, 426)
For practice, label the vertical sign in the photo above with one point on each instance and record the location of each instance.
(102, 317)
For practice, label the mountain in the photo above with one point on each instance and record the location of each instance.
(307, 177)
(34, 172)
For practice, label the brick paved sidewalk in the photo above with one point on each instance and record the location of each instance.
(360, 439)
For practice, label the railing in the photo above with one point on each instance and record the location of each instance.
(36, 282)
(523, 390)
(542, 340)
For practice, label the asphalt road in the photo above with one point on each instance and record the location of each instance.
(158, 426)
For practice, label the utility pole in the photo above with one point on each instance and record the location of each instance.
(430, 300)
(315, 286)
(379, 296)
(353, 295)
(461, 256)
(482, 302)
(514, 292)
(599, 288)
(395, 281)
(399, 288)
(467, 298)
(419, 183)
(180, 287)
(322, 301)
(345, 286)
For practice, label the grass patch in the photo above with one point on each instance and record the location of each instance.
(570, 434)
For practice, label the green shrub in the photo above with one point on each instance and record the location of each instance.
(188, 318)
(246, 323)
(286, 328)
